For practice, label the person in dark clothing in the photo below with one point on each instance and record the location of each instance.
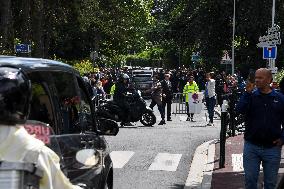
(181, 82)
(119, 97)
(219, 89)
(108, 84)
(167, 95)
(156, 94)
(264, 115)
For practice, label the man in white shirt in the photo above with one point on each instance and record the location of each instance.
(210, 97)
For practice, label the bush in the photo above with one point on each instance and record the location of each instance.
(279, 75)
(85, 67)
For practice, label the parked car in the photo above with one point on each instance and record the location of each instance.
(61, 99)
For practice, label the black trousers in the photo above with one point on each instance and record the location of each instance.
(167, 103)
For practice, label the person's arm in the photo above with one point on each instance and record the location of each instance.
(184, 90)
(196, 87)
(243, 103)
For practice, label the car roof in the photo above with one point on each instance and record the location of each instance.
(30, 64)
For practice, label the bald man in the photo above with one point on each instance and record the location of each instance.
(263, 108)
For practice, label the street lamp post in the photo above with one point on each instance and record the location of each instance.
(272, 61)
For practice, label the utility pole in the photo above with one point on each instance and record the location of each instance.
(272, 61)
(233, 40)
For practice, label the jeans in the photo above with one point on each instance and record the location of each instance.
(210, 104)
(270, 158)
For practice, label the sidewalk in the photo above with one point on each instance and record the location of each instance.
(232, 176)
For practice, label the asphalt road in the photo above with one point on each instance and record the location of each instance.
(158, 157)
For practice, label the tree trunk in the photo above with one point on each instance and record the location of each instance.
(25, 24)
(37, 28)
(5, 26)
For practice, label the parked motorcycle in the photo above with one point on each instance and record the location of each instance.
(138, 110)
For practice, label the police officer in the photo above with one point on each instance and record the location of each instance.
(190, 87)
(16, 145)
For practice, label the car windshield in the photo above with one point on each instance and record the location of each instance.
(139, 78)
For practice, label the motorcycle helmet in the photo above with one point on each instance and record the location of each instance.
(15, 96)
(125, 76)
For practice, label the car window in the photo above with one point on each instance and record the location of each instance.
(85, 107)
(69, 101)
(41, 107)
(141, 78)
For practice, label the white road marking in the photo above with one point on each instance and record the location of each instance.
(165, 162)
(237, 162)
(120, 158)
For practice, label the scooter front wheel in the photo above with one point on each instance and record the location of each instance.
(148, 118)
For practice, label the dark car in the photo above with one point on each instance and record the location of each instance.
(61, 99)
(143, 81)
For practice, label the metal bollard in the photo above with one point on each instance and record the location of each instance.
(232, 125)
(223, 133)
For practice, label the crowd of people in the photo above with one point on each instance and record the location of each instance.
(167, 82)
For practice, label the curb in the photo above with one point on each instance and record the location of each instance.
(200, 172)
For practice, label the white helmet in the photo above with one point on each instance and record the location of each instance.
(125, 76)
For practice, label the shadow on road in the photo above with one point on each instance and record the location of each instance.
(177, 186)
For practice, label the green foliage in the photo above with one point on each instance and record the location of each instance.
(84, 67)
(279, 75)
(140, 31)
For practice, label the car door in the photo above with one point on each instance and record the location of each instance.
(78, 130)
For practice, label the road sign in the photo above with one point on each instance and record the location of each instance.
(226, 58)
(269, 52)
(23, 48)
(273, 70)
(272, 39)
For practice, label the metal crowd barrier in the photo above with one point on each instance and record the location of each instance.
(178, 106)
(179, 103)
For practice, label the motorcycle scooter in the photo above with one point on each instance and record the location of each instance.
(139, 111)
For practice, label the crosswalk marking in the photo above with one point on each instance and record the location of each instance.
(165, 162)
(120, 158)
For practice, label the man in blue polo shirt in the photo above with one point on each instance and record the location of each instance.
(264, 114)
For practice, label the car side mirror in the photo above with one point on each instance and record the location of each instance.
(107, 127)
